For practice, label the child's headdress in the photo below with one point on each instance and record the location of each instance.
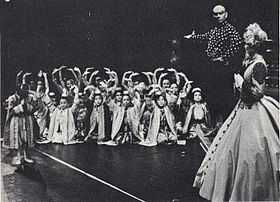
(196, 90)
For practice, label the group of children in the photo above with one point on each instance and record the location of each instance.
(147, 108)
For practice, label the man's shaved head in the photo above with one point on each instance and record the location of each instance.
(219, 8)
(219, 13)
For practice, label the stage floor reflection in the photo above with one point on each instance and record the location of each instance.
(90, 172)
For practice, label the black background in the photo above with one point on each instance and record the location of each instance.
(123, 34)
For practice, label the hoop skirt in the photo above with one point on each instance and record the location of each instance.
(242, 163)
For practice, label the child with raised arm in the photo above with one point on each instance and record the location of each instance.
(42, 114)
(162, 125)
(100, 120)
(145, 114)
(197, 121)
(125, 123)
(62, 127)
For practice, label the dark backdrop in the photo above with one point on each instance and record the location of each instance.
(125, 34)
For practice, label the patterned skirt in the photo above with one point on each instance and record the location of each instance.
(18, 132)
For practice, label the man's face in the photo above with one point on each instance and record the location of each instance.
(219, 13)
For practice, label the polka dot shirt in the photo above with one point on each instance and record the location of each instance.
(223, 41)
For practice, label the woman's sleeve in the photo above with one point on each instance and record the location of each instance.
(207, 115)
(252, 90)
(259, 72)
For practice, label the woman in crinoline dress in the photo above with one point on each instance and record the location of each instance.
(242, 163)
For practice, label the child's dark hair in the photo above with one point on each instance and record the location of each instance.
(197, 89)
(65, 97)
(159, 94)
(23, 91)
(118, 90)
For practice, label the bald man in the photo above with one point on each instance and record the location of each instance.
(223, 45)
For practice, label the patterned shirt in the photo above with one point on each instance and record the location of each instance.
(223, 41)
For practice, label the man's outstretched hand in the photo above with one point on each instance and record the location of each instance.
(190, 35)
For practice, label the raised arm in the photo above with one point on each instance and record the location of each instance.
(84, 78)
(124, 79)
(76, 101)
(149, 76)
(186, 80)
(176, 75)
(60, 76)
(25, 77)
(85, 75)
(76, 78)
(116, 81)
(132, 75)
(47, 88)
(160, 78)
(92, 76)
(78, 73)
(18, 82)
(155, 74)
(54, 80)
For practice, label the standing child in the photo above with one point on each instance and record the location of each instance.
(18, 132)
(42, 112)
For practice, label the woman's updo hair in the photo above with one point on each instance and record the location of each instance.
(254, 35)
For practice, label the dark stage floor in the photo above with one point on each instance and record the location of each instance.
(87, 172)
